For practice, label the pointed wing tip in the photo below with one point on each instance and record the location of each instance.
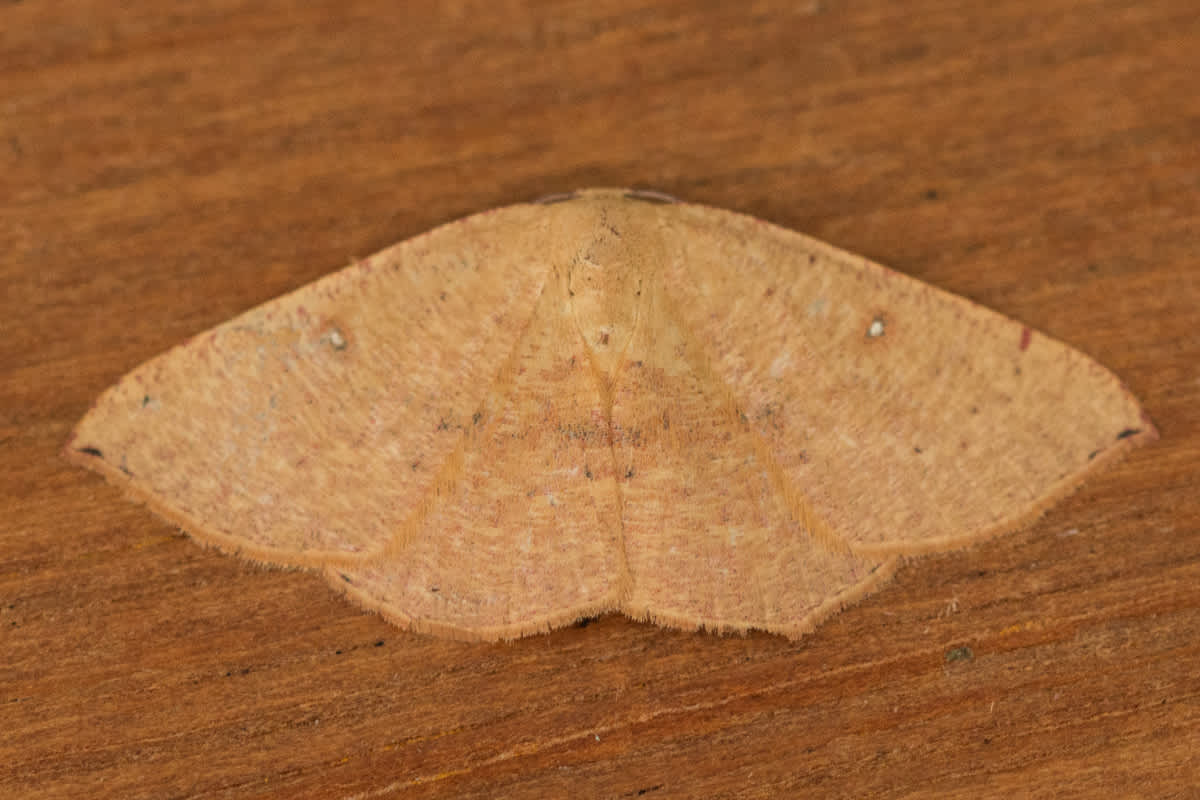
(68, 449)
(72, 444)
(1139, 430)
(83, 452)
(1149, 431)
(1124, 442)
(136, 490)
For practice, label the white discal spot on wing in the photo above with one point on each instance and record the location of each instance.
(335, 339)
(876, 328)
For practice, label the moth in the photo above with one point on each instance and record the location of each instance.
(608, 401)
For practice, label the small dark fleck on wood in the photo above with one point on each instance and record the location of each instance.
(379, 643)
(629, 472)
(959, 654)
(478, 415)
(931, 194)
(345, 577)
(918, 450)
(1093, 454)
(145, 400)
(433, 589)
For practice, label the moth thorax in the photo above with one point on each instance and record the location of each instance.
(606, 293)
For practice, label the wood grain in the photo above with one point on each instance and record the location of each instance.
(165, 167)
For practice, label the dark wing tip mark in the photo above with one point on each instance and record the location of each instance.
(91, 451)
(1125, 434)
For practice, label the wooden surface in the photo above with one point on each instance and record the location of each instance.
(165, 166)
